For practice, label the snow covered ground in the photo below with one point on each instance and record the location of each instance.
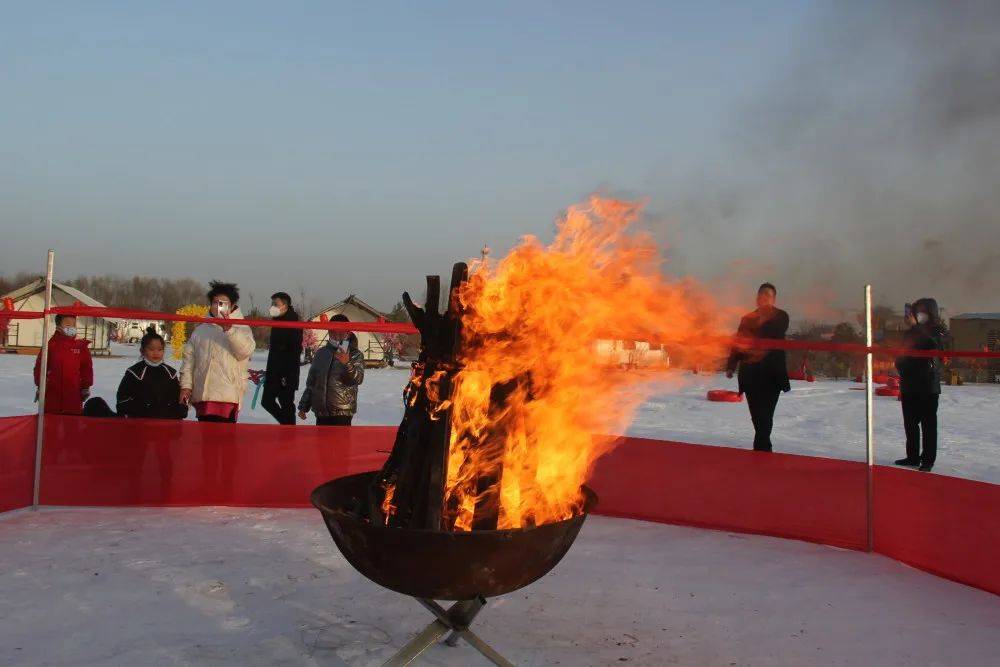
(824, 418)
(223, 586)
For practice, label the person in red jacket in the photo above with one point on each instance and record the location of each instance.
(70, 372)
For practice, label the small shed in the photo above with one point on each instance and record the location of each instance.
(371, 345)
(25, 336)
(977, 331)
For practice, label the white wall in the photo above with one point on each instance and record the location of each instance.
(29, 332)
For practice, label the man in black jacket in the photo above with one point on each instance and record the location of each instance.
(763, 374)
(281, 378)
(920, 383)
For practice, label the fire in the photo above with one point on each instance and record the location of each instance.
(388, 509)
(533, 402)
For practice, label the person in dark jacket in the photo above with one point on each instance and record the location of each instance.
(151, 388)
(763, 374)
(281, 378)
(920, 383)
(337, 369)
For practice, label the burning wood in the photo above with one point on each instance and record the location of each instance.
(507, 407)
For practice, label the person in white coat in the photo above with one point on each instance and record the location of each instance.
(216, 357)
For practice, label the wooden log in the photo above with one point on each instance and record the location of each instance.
(416, 471)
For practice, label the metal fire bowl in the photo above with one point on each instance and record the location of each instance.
(441, 565)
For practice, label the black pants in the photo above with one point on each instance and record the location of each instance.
(97, 407)
(217, 418)
(920, 416)
(762, 403)
(344, 420)
(280, 402)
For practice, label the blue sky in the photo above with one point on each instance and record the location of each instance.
(354, 148)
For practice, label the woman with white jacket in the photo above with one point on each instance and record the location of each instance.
(216, 357)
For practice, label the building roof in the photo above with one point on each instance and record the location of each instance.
(977, 316)
(38, 285)
(354, 301)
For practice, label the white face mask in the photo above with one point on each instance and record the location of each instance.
(69, 331)
(274, 311)
(922, 318)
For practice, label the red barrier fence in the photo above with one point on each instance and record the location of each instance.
(163, 462)
(17, 461)
(945, 525)
(785, 495)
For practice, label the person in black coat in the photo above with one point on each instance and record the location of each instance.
(150, 388)
(920, 383)
(763, 374)
(281, 378)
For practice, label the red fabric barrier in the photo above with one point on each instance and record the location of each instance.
(944, 525)
(17, 461)
(152, 462)
(802, 497)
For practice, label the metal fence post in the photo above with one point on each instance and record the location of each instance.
(42, 373)
(869, 424)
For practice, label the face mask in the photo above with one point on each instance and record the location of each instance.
(154, 364)
(922, 318)
(274, 311)
(69, 331)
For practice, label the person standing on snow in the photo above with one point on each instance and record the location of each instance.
(216, 357)
(763, 374)
(920, 383)
(70, 371)
(281, 378)
(337, 369)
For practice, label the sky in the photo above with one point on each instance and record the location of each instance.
(343, 148)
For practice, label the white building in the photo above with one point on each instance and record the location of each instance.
(132, 331)
(26, 335)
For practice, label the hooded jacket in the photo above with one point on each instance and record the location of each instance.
(70, 371)
(150, 392)
(285, 350)
(332, 387)
(216, 361)
(921, 376)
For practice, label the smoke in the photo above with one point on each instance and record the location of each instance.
(874, 156)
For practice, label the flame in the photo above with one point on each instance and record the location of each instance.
(533, 404)
(388, 509)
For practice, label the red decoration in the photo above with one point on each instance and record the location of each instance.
(724, 396)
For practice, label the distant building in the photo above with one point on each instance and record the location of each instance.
(978, 331)
(631, 353)
(132, 331)
(25, 336)
(356, 310)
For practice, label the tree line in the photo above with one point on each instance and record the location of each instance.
(138, 292)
